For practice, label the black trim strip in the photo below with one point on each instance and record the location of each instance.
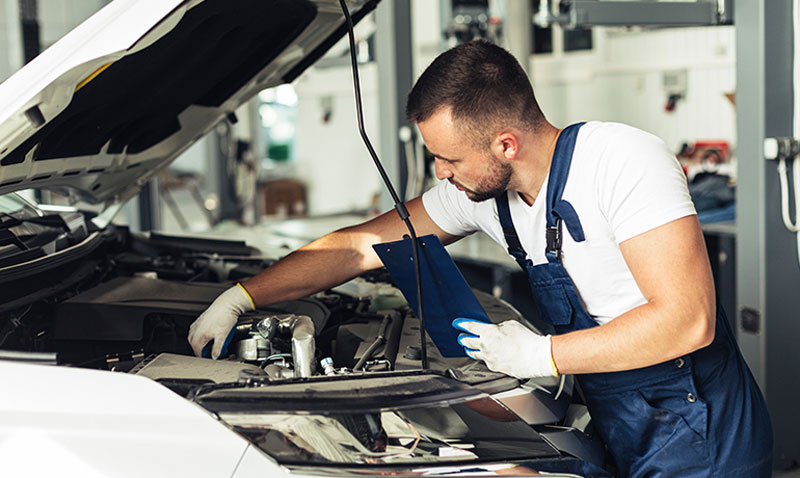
(42, 264)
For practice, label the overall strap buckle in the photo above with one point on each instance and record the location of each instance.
(554, 240)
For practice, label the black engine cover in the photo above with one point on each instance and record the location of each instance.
(117, 310)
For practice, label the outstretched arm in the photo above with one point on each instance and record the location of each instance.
(324, 263)
(337, 257)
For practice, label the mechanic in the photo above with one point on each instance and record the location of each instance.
(599, 216)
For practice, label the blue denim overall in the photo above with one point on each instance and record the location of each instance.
(698, 415)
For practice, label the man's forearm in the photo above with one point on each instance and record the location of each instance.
(324, 263)
(337, 257)
(643, 336)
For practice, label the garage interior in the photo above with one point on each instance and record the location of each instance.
(717, 80)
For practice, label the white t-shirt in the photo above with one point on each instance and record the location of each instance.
(622, 182)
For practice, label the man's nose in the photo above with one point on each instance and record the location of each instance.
(442, 171)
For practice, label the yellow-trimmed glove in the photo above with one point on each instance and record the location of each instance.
(218, 320)
(508, 347)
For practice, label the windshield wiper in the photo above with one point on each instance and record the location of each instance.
(49, 220)
(7, 237)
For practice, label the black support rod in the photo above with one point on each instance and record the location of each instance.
(398, 204)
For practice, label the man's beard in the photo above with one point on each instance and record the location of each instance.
(492, 186)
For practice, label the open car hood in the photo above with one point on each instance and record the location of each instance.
(98, 113)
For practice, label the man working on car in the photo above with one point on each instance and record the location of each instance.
(599, 216)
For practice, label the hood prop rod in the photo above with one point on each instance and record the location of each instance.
(398, 204)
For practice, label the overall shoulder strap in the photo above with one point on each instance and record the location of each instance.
(558, 210)
(510, 233)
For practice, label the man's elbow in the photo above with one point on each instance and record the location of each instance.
(703, 327)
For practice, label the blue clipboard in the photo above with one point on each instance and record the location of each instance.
(445, 293)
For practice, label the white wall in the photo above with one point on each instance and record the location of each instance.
(330, 157)
(621, 80)
(56, 18)
(425, 33)
(11, 56)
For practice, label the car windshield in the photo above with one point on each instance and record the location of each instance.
(16, 206)
(476, 430)
(14, 210)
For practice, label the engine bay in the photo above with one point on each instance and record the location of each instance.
(133, 297)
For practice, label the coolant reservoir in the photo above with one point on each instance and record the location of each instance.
(388, 297)
(382, 296)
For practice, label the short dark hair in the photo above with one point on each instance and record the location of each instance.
(484, 85)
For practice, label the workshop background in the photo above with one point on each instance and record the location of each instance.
(714, 83)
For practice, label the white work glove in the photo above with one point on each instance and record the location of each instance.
(508, 347)
(218, 320)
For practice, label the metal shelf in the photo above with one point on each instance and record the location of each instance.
(583, 13)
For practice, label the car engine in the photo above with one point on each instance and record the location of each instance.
(133, 296)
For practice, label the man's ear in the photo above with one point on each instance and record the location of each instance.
(506, 145)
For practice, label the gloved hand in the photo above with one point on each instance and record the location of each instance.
(508, 347)
(220, 317)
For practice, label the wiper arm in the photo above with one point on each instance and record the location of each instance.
(7, 237)
(49, 220)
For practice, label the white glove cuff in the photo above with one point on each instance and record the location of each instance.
(542, 363)
(239, 298)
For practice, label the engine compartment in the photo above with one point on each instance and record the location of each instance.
(132, 297)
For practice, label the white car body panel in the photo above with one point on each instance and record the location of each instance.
(59, 421)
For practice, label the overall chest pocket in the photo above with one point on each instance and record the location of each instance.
(556, 298)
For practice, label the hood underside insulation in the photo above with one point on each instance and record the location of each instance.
(134, 104)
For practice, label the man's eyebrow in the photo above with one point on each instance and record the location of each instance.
(440, 156)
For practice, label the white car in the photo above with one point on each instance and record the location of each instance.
(96, 376)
